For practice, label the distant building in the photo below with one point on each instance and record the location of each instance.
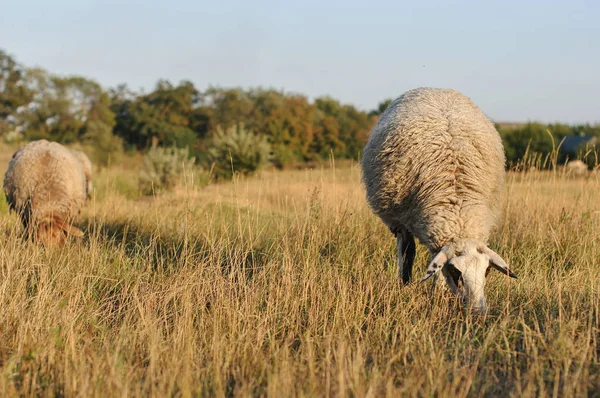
(573, 143)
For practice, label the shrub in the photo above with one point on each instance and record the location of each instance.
(283, 157)
(237, 150)
(164, 167)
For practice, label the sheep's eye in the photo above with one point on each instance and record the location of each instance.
(454, 273)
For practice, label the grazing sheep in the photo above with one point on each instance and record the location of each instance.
(87, 170)
(576, 168)
(434, 168)
(46, 185)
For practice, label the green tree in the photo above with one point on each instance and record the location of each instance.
(265, 103)
(381, 107)
(230, 107)
(290, 130)
(14, 93)
(533, 136)
(354, 130)
(327, 129)
(121, 100)
(166, 115)
(68, 110)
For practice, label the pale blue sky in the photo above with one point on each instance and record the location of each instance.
(518, 60)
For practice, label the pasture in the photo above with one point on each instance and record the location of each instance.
(285, 284)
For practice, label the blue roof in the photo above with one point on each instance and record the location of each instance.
(573, 142)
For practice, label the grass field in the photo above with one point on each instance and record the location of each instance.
(285, 284)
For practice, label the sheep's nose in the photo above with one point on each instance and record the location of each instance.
(476, 307)
(480, 310)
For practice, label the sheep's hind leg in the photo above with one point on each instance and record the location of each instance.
(406, 254)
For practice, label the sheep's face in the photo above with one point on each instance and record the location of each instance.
(50, 234)
(465, 275)
(465, 270)
(54, 232)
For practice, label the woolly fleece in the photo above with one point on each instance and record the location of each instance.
(49, 177)
(434, 165)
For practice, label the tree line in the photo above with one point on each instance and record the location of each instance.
(539, 140)
(37, 104)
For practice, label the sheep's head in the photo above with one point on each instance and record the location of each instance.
(465, 269)
(54, 231)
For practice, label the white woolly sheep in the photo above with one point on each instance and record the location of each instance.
(576, 168)
(87, 170)
(45, 184)
(434, 168)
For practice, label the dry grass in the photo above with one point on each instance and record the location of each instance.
(285, 285)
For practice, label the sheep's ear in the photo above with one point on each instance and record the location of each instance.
(71, 230)
(498, 263)
(435, 265)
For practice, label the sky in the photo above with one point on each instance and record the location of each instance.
(517, 60)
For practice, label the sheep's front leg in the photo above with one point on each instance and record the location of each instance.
(406, 254)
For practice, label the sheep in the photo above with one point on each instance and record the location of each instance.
(46, 185)
(87, 170)
(576, 168)
(433, 168)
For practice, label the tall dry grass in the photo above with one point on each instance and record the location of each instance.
(285, 285)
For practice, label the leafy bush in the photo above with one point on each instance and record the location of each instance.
(237, 150)
(164, 167)
(283, 157)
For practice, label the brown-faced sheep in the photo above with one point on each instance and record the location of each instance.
(434, 168)
(45, 184)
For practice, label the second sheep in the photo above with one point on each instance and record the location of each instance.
(46, 185)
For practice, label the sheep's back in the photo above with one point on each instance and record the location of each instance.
(87, 168)
(49, 176)
(435, 164)
(85, 162)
